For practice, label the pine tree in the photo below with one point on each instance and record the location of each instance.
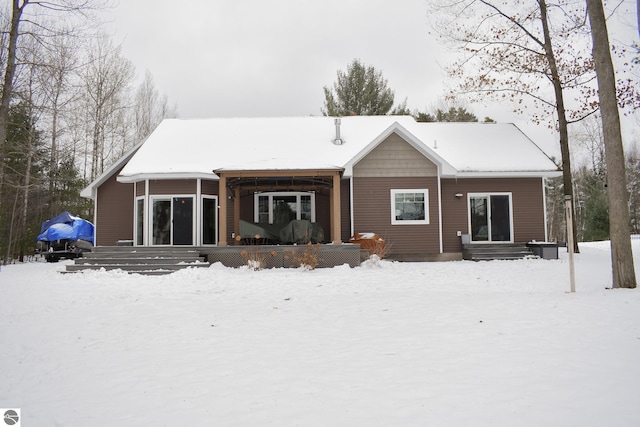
(360, 91)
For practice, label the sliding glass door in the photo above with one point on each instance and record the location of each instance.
(172, 220)
(490, 217)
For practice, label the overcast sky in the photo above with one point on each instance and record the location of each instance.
(247, 58)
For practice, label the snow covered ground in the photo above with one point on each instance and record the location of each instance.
(497, 343)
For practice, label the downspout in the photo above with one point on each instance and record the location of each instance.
(198, 212)
(544, 207)
(135, 217)
(95, 218)
(145, 240)
(440, 208)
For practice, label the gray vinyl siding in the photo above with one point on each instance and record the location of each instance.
(394, 157)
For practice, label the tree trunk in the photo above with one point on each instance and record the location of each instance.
(7, 85)
(22, 229)
(621, 253)
(563, 126)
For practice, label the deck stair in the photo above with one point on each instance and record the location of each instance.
(141, 260)
(491, 251)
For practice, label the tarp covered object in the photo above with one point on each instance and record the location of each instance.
(301, 231)
(66, 226)
(249, 230)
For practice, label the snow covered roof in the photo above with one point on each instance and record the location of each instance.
(180, 148)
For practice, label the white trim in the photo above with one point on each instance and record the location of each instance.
(198, 208)
(170, 197)
(95, 218)
(147, 211)
(135, 220)
(166, 175)
(393, 192)
(201, 227)
(488, 195)
(544, 208)
(440, 230)
(504, 174)
(411, 139)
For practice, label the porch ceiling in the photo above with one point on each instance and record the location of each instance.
(264, 180)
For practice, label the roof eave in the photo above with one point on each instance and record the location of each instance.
(505, 174)
(129, 179)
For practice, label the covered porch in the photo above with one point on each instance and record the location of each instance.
(234, 183)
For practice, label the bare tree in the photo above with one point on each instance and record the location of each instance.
(9, 75)
(621, 253)
(57, 84)
(106, 80)
(38, 27)
(150, 107)
(633, 185)
(525, 49)
(28, 30)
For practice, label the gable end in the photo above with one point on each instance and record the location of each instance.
(394, 157)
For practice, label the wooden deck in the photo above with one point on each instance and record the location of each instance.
(278, 256)
(167, 259)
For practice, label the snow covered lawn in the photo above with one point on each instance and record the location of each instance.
(497, 343)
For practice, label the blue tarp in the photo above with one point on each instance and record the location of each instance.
(66, 226)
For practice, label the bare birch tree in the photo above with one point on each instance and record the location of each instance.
(150, 107)
(58, 87)
(621, 253)
(106, 83)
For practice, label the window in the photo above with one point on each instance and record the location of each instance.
(209, 220)
(409, 207)
(283, 207)
(140, 221)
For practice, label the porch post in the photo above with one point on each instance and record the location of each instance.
(336, 231)
(236, 213)
(222, 214)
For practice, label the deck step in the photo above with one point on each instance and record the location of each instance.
(494, 251)
(140, 260)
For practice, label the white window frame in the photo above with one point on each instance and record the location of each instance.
(144, 221)
(170, 197)
(395, 221)
(270, 195)
(217, 231)
(489, 231)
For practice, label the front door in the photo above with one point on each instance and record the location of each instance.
(490, 217)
